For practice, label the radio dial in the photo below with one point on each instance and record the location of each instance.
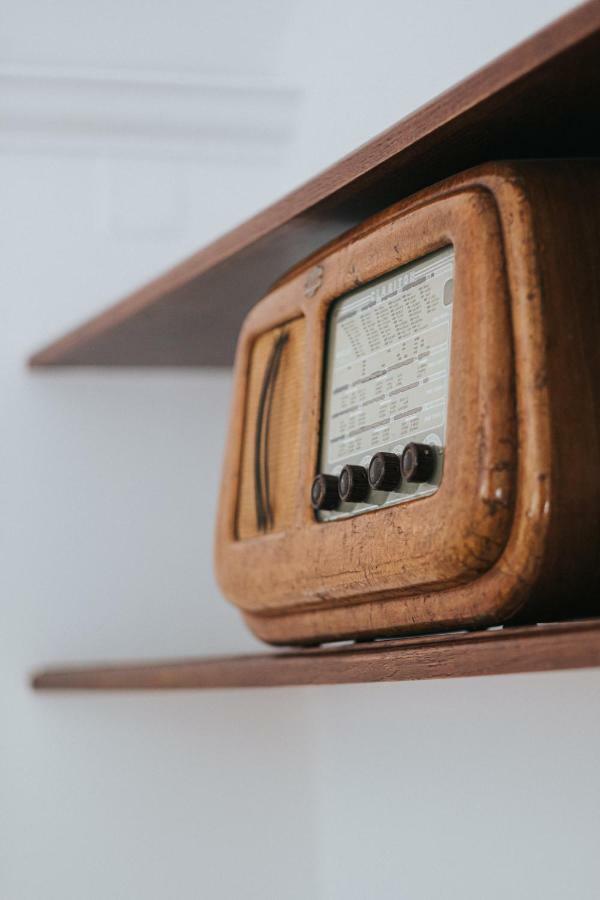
(353, 484)
(324, 492)
(384, 472)
(418, 462)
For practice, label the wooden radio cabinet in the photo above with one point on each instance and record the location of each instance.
(415, 432)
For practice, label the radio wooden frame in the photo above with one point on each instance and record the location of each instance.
(470, 554)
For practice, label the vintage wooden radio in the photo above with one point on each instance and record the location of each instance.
(415, 434)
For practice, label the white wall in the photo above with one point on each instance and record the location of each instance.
(131, 134)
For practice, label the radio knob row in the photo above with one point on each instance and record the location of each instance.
(385, 473)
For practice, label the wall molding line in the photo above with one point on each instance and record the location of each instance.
(116, 110)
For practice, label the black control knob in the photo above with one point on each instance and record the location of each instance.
(324, 492)
(418, 462)
(384, 472)
(353, 484)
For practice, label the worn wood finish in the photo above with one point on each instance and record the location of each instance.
(538, 648)
(554, 270)
(436, 541)
(537, 100)
(515, 522)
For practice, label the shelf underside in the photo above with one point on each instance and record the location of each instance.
(537, 648)
(538, 100)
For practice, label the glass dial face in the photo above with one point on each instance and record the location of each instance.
(387, 366)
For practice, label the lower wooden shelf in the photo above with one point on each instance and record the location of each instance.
(537, 648)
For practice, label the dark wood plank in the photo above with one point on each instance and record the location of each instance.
(539, 648)
(537, 100)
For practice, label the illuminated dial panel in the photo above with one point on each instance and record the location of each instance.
(387, 366)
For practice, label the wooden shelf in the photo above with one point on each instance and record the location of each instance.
(540, 99)
(538, 648)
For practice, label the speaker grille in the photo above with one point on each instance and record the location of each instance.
(271, 443)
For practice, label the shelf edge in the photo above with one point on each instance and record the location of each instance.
(151, 325)
(537, 648)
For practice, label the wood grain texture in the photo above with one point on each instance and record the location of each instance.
(513, 529)
(557, 329)
(537, 648)
(538, 100)
(359, 577)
